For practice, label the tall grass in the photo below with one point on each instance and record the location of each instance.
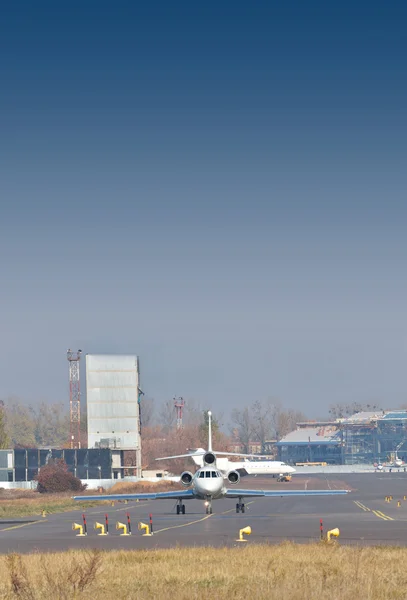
(285, 572)
(26, 503)
(54, 580)
(30, 503)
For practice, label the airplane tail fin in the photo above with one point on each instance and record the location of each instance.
(209, 431)
(197, 456)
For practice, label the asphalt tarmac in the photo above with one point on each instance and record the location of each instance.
(363, 517)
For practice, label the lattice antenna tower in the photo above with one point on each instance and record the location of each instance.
(74, 398)
(179, 404)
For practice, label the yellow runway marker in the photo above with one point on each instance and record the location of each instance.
(183, 524)
(197, 521)
(377, 513)
(381, 515)
(22, 525)
(362, 506)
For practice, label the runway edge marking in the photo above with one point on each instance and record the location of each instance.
(377, 513)
(381, 515)
(362, 506)
(197, 521)
(23, 525)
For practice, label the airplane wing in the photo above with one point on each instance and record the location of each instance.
(240, 454)
(180, 495)
(189, 455)
(280, 493)
(202, 452)
(242, 471)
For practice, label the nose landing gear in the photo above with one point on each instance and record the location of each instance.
(208, 505)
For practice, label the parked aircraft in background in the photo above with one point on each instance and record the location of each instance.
(245, 467)
(208, 484)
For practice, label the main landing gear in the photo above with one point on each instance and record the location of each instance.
(240, 506)
(180, 508)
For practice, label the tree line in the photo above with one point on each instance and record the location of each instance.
(258, 423)
(47, 425)
(29, 426)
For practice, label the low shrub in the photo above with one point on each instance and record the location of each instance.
(55, 477)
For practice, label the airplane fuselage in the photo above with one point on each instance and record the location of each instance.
(251, 467)
(260, 467)
(208, 483)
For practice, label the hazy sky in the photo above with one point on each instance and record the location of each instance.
(218, 188)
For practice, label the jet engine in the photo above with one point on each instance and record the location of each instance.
(186, 478)
(209, 458)
(233, 477)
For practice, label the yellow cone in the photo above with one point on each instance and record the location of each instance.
(76, 526)
(333, 532)
(101, 527)
(144, 527)
(123, 527)
(246, 530)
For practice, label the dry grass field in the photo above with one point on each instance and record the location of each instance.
(20, 503)
(26, 503)
(284, 572)
(143, 487)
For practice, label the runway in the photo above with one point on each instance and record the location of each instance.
(363, 517)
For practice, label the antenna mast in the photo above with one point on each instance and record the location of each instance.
(179, 404)
(74, 398)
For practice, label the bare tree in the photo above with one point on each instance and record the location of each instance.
(51, 424)
(20, 420)
(167, 416)
(146, 411)
(343, 410)
(192, 413)
(4, 438)
(243, 423)
(262, 421)
(286, 421)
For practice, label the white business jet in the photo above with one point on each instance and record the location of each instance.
(208, 484)
(245, 467)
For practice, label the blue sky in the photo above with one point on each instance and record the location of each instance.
(218, 189)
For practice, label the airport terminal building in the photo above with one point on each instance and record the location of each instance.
(113, 404)
(364, 438)
(22, 465)
(114, 428)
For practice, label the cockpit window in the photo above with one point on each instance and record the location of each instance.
(208, 474)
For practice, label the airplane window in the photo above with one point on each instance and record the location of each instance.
(207, 474)
(214, 474)
(201, 475)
